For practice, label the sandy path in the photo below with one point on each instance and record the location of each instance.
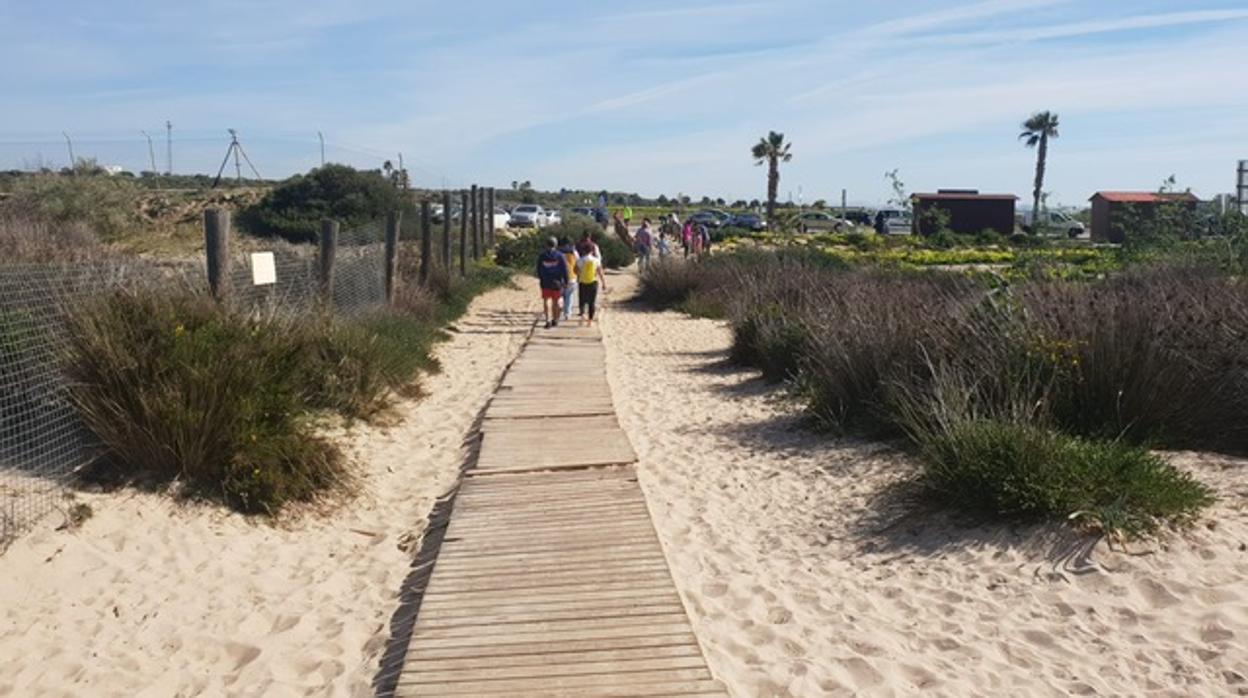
(799, 586)
(154, 599)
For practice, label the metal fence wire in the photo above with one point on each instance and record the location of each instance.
(43, 441)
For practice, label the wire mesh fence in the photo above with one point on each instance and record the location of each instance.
(43, 441)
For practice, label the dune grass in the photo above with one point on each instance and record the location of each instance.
(1035, 398)
(226, 403)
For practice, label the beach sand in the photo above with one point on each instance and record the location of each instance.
(154, 598)
(804, 577)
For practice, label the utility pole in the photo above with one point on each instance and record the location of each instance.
(322, 138)
(168, 147)
(844, 208)
(70, 144)
(151, 152)
(402, 173)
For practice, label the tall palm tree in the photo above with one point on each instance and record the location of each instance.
(772, 151)
(1036, 134)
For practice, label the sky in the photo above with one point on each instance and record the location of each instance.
(654, 97)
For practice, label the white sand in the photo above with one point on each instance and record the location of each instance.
(798, 586)
(150, 598)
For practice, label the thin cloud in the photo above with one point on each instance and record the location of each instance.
(1087, 28)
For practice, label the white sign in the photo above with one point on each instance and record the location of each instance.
(263, 269)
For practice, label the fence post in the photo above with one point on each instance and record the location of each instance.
(393, 220)
(426, 241)
(463, 232)
(217, 247)
(446, 231)
(328, 249)
(481, 219)
(476, 242)
(490, 215)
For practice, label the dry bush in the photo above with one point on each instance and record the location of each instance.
(26, 239)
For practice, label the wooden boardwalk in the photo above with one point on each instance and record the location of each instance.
(550, 580)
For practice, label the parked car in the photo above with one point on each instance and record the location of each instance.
(710, 219)
(553, 216)
(749, 221)
(586, 211)
(1054, 223)
(820, 221)
(527, 216)
(896, 221)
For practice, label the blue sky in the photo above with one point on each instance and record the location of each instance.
(647, 96)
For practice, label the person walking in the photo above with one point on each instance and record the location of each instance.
(643, 242)
(589, 279)
(686, 238)
(586, 245)
(552, 277)
(628, 213)
(569, 257)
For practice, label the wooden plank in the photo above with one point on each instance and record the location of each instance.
(498, 618)
(425, 675)
(518, 583)
(560, 425)
(522, 685)
(552, 647)
(644, 684)
(507, 633)
(550, 591)
(557, 661)
(532, 641)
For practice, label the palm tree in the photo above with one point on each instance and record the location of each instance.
(1036, 132)
(772, 151)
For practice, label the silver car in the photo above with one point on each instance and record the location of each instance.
(527, 216)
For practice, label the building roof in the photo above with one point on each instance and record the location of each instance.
(965, 195)
(1144, 197)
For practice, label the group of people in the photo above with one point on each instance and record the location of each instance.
(694, 238)
(565, 270)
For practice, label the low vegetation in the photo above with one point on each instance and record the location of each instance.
(994, 379)
(226, 402)
(294, 209)
(521, 252)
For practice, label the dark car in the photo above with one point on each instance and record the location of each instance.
(710, 219)
(584, 211)
(749, 221)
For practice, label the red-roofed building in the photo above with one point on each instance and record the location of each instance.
(963, 211)
(1109, 209)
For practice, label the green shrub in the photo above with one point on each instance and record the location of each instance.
(294, 209)
(179, 390)
(1029, 472)
(521, 252)
(108, 206)
(769, 339)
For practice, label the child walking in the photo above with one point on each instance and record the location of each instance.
(569, 257)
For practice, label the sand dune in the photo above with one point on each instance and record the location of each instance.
(804, 580)
(152, 598)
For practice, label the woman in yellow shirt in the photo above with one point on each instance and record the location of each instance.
(588, 279)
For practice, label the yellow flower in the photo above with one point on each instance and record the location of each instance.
(179, 330)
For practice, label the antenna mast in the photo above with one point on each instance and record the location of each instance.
(235, 150)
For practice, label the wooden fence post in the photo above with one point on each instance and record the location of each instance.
(476, 242)
(328, 249)
(426, 241)
(393, 220)
(463, 232)
(490, 216)
(446, 231)
(217, 247)
(481, 220)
